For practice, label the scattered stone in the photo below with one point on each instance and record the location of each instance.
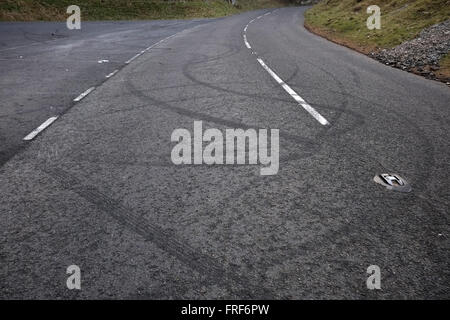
(422, 54)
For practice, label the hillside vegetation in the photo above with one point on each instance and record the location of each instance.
(55, 10)
(344, 21)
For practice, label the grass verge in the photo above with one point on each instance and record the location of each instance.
(55, 10)
(344, 22)
(401, 20)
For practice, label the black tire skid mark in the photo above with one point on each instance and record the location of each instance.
(171, 244)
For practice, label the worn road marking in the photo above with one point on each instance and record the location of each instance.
(112, 73)
(42, 127)
(134, 57)
(155, 44)
(316, 115)
(246, 42)
(84, 94)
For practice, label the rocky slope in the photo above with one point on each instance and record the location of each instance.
(422, 54)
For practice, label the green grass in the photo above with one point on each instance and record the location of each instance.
(55, 10)
(344, 21)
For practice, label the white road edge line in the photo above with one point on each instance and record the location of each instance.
(285, 86)
(84, 94)
(42, 127)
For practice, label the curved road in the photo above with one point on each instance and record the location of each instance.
(98, 188)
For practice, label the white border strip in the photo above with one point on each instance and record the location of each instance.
(42, 127)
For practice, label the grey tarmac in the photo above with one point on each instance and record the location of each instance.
(98, 189)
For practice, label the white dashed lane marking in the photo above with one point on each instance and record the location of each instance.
(111, 74)
(84, 94)
(134, 57)
(313, 112)
(49, 121)
(246, 42)
(42, 127)
(294, 95)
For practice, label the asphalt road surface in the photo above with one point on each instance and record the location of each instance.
(98, 188)
(44, 66)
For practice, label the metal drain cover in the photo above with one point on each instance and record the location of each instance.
(393, 182)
